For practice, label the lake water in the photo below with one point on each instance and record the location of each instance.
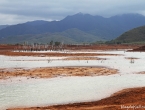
(23, 92)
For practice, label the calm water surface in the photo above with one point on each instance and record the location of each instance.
(23, 92)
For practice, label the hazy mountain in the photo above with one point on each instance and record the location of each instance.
(3, 26)
(134, 35)
(69, 36)
(96, 26)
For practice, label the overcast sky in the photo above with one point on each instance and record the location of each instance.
(20, 11)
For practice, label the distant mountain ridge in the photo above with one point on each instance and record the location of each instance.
(3, 26)
(95, 27)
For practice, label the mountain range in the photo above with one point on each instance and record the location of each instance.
(3, 26)
(76, 28)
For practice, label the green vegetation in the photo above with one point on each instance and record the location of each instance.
(68, 37)
(134, 36)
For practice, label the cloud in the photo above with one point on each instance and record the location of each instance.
(18, 11)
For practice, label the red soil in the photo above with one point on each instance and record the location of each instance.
(140, 49)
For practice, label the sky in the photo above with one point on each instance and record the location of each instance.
(20, 11)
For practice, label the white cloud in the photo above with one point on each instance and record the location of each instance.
(27, 10)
